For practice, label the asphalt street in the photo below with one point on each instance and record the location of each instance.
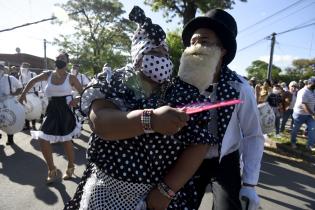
(284, 184)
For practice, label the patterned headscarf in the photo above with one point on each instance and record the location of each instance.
(147, 36)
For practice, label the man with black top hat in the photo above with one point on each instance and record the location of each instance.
(238, 125)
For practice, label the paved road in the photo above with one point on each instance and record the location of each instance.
(284, 185)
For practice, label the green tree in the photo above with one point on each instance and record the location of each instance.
(259, 70)
(101, 34)
(305, 67)
(301, 69)
(176, 48)
(187, 9)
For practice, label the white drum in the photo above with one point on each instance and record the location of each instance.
(44, 102)
(33, 107)
(75, 93)
(267, 118)
(12, 115)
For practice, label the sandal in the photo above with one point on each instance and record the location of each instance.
(69, 173)
(52, 175)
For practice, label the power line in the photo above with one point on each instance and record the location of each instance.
(270, 16)
(248, 46)
(295, 28)
(36, 22)
(279, 19)
(280, 33)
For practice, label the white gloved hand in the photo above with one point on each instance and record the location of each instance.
(253, 199)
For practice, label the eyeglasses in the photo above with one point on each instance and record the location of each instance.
(205, 41)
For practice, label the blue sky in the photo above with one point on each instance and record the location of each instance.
(289, 46)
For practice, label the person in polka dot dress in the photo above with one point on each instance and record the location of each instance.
(139, 136)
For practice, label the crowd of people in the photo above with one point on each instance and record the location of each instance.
(146, 151)
(295, 101)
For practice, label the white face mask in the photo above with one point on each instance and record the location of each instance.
(156, 68)
(198, 65)
(24, 71)
(74, 71)
(276, 91)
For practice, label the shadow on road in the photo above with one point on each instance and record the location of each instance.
(272, 174)
(79, 151)
(277, 177)
(26, 168)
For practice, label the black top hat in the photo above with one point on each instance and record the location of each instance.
(222, 23)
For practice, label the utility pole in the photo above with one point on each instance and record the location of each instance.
(273, 40)
(45, 58)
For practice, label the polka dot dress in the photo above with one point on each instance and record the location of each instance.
(143, 159)
(226, 91)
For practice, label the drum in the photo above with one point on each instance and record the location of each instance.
(267, 118)
(44, 102)
(75, 93)
(12, 115)
(33, 107)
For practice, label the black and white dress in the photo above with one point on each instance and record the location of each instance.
(59, 123)
(122, 172)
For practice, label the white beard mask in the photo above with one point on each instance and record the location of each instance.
(198, 66)
(24, 71)
(74, 72)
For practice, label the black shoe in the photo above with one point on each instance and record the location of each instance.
(26, 128)
(10, 142)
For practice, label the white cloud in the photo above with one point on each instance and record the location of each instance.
(280, 60)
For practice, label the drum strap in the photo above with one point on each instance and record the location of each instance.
(32, 78)
(21, 78)
(10, 85)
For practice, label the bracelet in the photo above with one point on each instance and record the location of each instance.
(146, 120)
(166, 191)
(248, 185)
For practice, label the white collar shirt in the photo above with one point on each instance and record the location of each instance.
(244, 134)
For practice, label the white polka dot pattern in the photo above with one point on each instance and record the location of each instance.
(146, 158)
(109, 193)
(159, 69)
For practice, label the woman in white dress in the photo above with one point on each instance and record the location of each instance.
(60, 124)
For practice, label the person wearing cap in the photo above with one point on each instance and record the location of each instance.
(252, 83)
(304, 112)
(59, 123)
(284, 86)
(25, 76)
(274, 100)
(239, 129)
(83, 79)
(288, 101)
(140, 139)
(14, 72)
(105, 71)
(9, 85)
